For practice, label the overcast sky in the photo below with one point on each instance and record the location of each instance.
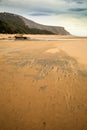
(71, 14)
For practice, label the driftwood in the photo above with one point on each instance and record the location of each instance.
(20, 37)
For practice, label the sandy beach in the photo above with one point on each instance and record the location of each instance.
(43, 83)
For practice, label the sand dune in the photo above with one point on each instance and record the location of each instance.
(43, 84)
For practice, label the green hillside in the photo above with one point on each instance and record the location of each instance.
(10, 23)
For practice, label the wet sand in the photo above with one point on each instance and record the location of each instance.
(43, 84)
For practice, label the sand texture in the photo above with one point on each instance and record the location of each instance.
(43, 84)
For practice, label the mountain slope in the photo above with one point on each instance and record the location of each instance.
(53, 29)
(11, 23)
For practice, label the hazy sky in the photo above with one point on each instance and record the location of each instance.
(71, 14)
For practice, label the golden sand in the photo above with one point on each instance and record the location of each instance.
(43, 84)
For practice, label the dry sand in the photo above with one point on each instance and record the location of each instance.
(43, 84)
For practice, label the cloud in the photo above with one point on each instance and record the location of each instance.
(80, 2)
(39, 14)
(45, 7)
(76, 1)
(78, 9)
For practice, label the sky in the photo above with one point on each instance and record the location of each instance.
(71, 14)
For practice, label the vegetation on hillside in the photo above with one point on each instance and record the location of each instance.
(12, 24)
